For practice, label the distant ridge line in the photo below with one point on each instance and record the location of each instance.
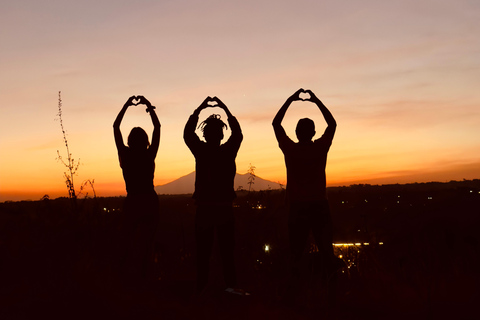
(186, 184)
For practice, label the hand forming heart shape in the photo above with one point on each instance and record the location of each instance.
(136, 101)
(212, 103)
(304, 96)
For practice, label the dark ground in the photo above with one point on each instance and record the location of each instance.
(64, 265)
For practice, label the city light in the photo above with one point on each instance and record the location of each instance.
(353, 244)
(266, 248)
(259, 206)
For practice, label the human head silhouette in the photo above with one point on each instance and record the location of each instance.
(138, 139)
(305, 130)
(212, 129)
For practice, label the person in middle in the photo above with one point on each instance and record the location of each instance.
(214, 190)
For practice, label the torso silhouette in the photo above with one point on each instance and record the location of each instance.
(305, 164)
(138, 168)
(214, 165)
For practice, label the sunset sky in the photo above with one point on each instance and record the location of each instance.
(402, 79)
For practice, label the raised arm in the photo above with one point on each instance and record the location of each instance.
(156, 125)
(189, 135)
(116, 125)
(277, 121)
(327, 115)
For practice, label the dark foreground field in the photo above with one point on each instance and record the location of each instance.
(414, 253)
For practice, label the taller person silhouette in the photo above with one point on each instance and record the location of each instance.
(141, 211)
(306, 182)
(214, 191)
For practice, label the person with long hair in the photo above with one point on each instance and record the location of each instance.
(215, 171)
(141, 211)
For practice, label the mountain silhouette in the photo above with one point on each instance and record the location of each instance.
(186, 184)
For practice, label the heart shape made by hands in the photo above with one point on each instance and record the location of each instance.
(136, 101)
(212, 103)
(304, 96)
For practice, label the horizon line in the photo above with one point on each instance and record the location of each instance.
(328, 187)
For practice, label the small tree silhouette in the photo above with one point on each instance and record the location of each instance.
(70, 163)
(251, 177)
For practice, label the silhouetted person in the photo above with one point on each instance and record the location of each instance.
(214, 191)
(140, 216)
(306, 184)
